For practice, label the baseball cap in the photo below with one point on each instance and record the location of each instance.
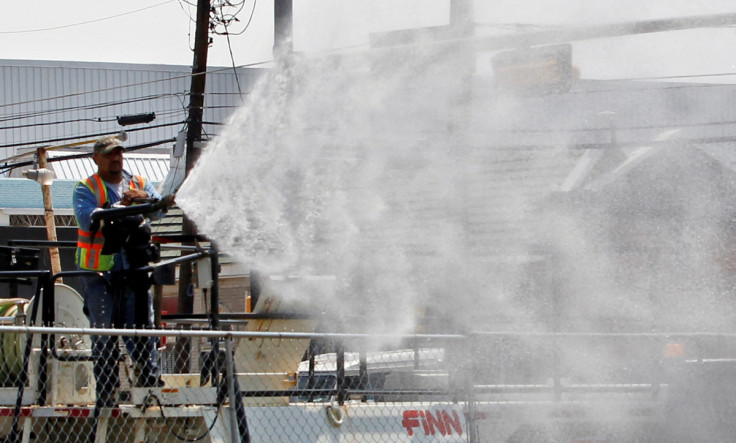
(107, 144)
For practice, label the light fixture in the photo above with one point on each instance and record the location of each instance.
(134, 119)
(43, 175)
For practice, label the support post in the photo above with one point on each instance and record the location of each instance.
(194, 137)
(283, 24)
(48, 212)
(231, 389)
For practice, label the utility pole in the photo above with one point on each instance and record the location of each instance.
(283, 24)
(49, 215)
(461, 16)
(194, 137)
(462, 25)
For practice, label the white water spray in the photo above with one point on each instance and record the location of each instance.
(419, 188)
(357, 174)
(410, 184)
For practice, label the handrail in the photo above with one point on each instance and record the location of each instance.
(43, 243)
(219, 334)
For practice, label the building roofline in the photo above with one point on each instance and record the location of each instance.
(35, 211)
(110, 65)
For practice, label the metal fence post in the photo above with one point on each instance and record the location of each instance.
(340, 373)
(470, 390)
(234, 434)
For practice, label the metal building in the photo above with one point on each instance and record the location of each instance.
(67, 105)
(52, 103)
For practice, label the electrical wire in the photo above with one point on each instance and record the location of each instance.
(33, 125)
(85, 22)
(189, 24)
(220, 403)
(132, 85)
(63, 139)
(252, 11)
(221, 107)
(99, 105)
(250, 19)
(9, 167)
(674, 77)
(232, 59)
(224, 18)
(608, 128)
(186, 11)
(212, 94)
(7, 117)
(654, 87)
(160, 115)
(101, 119)
(491, 131)
(677, 77)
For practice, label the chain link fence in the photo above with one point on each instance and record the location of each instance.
(266, 384)
(281, 386)
(271, 379)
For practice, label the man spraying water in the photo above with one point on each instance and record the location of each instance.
(115, 248)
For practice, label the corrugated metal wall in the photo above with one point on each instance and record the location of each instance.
(55, 102)
(152, 166)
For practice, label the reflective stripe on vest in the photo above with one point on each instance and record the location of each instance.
(137, 182)
(89, 251)
(89, 244)
(98, 188)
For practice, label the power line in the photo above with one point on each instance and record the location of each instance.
(225, 22)
(63, 139)
(99, 105)
(608, 128)
(656, 87)
(675, 77)
(33, 125)
(132, 85)
(9, 167)
(232, 59)
(497, 131)
(515, 148)
(159, 114)
(85, 22)
(191, 19)
(39, 121)
(30, 114)
(47, 112)
(222, 18)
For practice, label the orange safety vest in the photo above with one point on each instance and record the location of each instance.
(89, 243)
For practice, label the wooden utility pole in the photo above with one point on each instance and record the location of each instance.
(194, 137)
(48, 212)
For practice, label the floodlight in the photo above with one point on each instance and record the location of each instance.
(43, 175)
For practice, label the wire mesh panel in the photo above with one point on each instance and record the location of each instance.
(265, 386)
(280, 386)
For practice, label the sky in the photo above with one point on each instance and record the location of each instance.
(161, 31)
